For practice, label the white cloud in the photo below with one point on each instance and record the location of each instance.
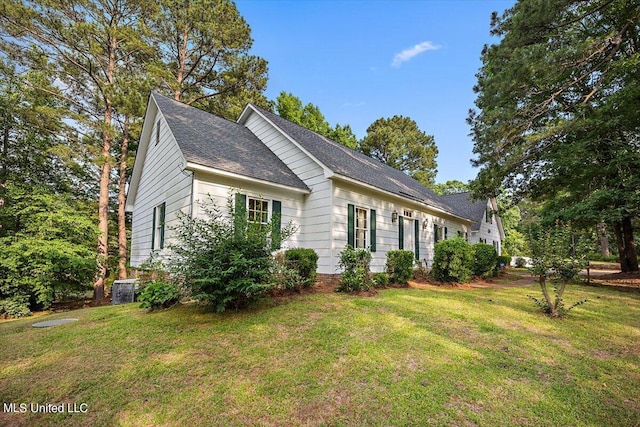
(416, 50)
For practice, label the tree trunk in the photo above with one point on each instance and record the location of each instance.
(122, 224)
(622, 254)
(103, 211)
(604, 241)
(629, 244)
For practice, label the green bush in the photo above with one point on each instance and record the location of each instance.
(453, 261)
(304, 261)
(224, 259)
(285, 277)
(380, 280)
(49, 253)
(485, 260)
(597, 256)
(355, 265)
(505, 260)
(14, 308)
(399, 266)
(159, 295)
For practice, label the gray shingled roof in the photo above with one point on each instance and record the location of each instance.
(352, 164)
(212, 141)
(463, 205)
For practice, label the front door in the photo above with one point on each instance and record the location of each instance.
(409, 244)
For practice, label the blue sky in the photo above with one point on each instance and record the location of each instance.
(362, 60)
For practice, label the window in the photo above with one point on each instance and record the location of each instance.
(157, 132)
(408, 214)
(489, 216)
(361, 228)
(157, 235)
(258, 210)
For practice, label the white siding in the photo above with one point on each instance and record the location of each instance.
(219, 189)
(387, 232)
(315, 213)
(489, 231)
(162, 180)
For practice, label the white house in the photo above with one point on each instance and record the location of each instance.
(334, 195)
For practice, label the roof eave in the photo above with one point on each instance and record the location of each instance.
(213, 171)
(399, 197)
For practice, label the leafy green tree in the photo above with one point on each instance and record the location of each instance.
(557, 111)
(450, 187)
(557, 253)
(204, 61)
(399, 143)
(86, 45)
(289, 106)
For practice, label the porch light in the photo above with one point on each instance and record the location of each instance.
(394, 216)
(425, 224)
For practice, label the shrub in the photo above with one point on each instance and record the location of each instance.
(47, 253)
(521, 262)
(504, 260)
(485, 260)
(159, 295)
(399, 266)
(452, 261)
(380, 280)
(224, 259)
(285, 277)
(355, 264)
(14, 308)
(304, 261)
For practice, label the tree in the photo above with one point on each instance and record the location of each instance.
(87, 44)
(558, 115)
(203, 59)
(450, 187)
(289, 106)
(399, 143)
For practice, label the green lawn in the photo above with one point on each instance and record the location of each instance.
(413, 357)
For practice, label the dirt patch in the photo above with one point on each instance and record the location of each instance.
(621, 280)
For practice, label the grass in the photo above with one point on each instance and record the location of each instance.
(444, 357)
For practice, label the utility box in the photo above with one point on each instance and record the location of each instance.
(124, 291)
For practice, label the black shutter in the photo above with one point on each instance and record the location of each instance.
(417, 238)
(276, 224)
(351, 226)
(400, 233)
(435, 233)
(163, 210)
(153, 230)
(372, 230)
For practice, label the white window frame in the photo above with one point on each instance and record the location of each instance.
(159, 235)
(361, 231)
(265, 215)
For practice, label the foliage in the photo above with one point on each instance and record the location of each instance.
(223, 259)
(504, 260)
(556, 254)
(399, 265)
(203, 49)
(46, 253)
(304, 261)
(157, 295)
(289, 106)
(521, 262)
(453, 261)
(380, 280)
(285, 277)
(597, 256)
(557, 112)
(485, 260)
(399, 143)
(355, 265)
(450, 187)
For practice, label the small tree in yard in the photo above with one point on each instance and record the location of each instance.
(355, 265)
(224, 259)
(556, 254)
